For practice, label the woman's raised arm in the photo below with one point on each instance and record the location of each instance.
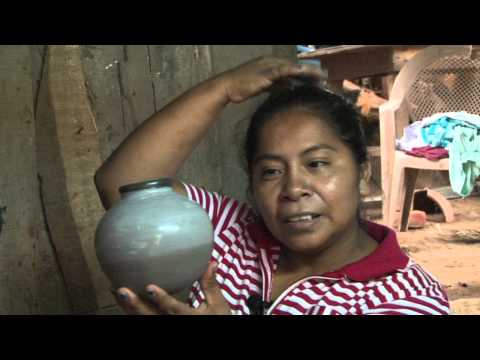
(160, 145)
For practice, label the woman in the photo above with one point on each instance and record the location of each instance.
(304, 249)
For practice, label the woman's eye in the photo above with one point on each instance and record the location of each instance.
(270, 172)
(318, 164)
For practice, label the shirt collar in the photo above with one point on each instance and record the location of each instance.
(387, 258)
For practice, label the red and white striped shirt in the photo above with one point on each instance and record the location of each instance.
(386, 282)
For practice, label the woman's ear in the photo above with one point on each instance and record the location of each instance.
(365, 175)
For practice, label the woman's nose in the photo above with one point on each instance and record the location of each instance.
(295, 188)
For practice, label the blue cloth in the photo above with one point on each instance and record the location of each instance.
(459, 134)
(460, 116)
(464, 153)
(304, 49)
(438, 132)
(441, 132)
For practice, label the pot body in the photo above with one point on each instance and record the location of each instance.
(154, 236)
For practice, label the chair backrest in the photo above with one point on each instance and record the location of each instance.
(440, 78)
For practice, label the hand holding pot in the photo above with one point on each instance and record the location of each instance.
(161, 303)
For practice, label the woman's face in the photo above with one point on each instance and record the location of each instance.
(305, 182)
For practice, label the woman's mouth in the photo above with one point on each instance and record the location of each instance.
(301, 218)
(301, 221)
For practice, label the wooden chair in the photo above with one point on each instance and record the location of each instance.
(440, 78)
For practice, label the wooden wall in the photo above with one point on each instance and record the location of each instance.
(63, 110)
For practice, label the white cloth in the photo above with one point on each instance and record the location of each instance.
(412, 137)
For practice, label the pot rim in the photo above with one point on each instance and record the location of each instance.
(144, 185)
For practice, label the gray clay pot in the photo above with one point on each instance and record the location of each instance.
(154, 236)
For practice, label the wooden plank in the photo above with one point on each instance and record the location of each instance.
(16, 188)
(38, 55)
(49, 286)
(119, 75)
(347, 62)
(362, 64)
(58, 215)
(352, 49)
(18, 192)
(175, 69)
(79, 145)
(58, 223)
(44, 283)
(70, 159)
(136, 86)
(101, 68)
(119, 84)
(3, 215)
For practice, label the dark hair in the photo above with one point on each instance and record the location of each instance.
(339, 113)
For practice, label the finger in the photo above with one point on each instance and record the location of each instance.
(271, 61)
(308, 72)
(132, 304)
(167, 303)
(210, 286)
(311, 71)
(275, 71)
(314, 73)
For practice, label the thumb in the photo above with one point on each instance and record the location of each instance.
(210, 286)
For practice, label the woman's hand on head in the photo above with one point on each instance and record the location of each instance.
(256, 76)
(162, 303)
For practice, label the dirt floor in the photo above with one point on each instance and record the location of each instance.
(451, 253)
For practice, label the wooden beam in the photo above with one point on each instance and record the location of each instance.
(29, 278)
(120, 90)
(17, 182)
(348, 62)
(349, 66)
(403, 51)
(69, 154)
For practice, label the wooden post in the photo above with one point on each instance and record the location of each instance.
(29, 279)
(69, 154)
(17, 182)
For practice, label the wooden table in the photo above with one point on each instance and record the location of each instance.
(350, 62)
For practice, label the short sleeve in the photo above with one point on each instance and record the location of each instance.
(223, 211)
(229, 217)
